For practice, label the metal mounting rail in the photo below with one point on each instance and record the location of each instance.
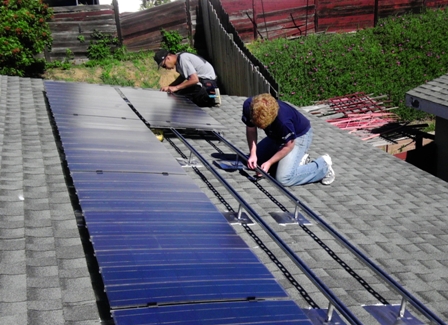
(334, 301)
(406, 296)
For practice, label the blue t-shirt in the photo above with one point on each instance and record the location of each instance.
(288, 125)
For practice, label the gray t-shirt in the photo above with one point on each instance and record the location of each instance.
(188, 64)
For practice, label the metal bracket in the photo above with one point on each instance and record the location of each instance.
(230, 164)
(390, 315)
(320, 316)
(232, 218)
(287, 218)
(239, 217)
(188, 163)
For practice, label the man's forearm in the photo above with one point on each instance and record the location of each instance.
(251, 136)
(286, 149)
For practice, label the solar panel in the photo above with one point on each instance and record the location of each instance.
(133, 151)
(147, 228)
(197, 291)
(167, 216)
(229, 313)
(178, 256)
(165, 241)
(167, 110)
(88, 181)
(179, 273)
(98, 122)
(157, 237)
(86, 99)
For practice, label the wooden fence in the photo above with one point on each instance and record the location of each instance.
(267, 19)
(237, 75)
(219, 29)
(73, 26)
(270, 19)
(142, 30)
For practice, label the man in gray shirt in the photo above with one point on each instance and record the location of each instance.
(197, 77)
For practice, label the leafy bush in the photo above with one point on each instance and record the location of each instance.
(401, 53)
(24, 33)
(172, 41)
(103, 47)
(146, 4)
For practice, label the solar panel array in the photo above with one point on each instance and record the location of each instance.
(158, 239)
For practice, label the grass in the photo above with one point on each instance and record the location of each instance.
(132, 69)
(401, 53)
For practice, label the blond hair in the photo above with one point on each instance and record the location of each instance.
(264, 110)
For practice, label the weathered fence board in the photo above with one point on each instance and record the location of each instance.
(267, 19)
(271, 18)
(436, 3)
(238, 70)
(71, 22)
(398, 7)
(142, 30)
(239, 22)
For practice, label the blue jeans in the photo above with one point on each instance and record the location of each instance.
(288, 172)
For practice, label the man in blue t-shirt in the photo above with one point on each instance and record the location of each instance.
(289, 136)
(197, 77)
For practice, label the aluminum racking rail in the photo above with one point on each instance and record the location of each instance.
(333, 299)
(406, 296)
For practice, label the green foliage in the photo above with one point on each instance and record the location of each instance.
(104, 47)
(135, 69)
(172, 41)
(64, 65)
(401, 53)
(152, 3)
(69, 55)
(24, 33)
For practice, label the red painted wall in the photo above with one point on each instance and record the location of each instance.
(292, 18)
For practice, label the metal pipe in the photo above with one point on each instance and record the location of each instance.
(402, 291)
(292, 255)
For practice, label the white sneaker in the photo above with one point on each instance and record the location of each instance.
(305, 160)
(329, 178)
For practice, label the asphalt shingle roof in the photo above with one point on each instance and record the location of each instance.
(394, 212)
(43, 275)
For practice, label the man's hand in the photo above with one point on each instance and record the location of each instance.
(252, 162)
(266, 166)
(169, 89)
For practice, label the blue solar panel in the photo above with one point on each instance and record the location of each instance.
(178, 256)
(168, 216)
(150, 167)
(195, 291)
(163, 274)
(156, 205)
(174, 183)
(231, 313)
(146, 195)
(148, 227)
(134, 242)
(148, 181)
(140, 151)
(156, 235)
